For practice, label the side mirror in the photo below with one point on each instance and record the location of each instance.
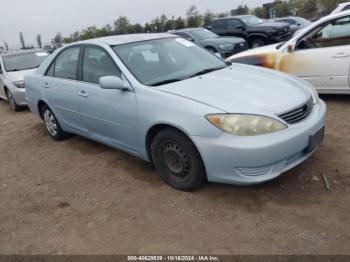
(240, 27)
(113, 82)
(290, 48)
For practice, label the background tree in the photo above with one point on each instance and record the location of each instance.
(148, 28)
(260, 12)
(310, 6)
(180, 23)
(21, 39)
(6, 46)
(38, 40)
(75, 36)
(242, 10)
(121, 25)
(329, 5)
(282, 9)
(58, 39)
(170, 24)
(194, 19)
(208, 18)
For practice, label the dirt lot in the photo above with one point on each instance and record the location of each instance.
(79, 197)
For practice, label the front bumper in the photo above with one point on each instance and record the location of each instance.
(19, 95)
(281, 38)
(239, 47)
(250, 160)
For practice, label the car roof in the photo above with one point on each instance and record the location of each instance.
(235, 16)
(343, 4)
(331, 16)
(187, 29)
(21, 52)
(126, 39)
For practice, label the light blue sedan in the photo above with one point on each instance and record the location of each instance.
(170, 102)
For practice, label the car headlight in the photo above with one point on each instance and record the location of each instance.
(19, 84)
(226, 46)
(246, 125)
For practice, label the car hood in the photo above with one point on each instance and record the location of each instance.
(269, 25)
(263, 56)
(19, 75)
(243, 89)
(223, 40)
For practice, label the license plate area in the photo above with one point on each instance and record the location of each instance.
(316, 139)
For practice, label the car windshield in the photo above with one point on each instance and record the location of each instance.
(202, 34)
(166, 60)
(24, 61)
(251, 20)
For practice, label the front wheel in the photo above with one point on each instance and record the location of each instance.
(12, 101)
(51, 124)
(258, 42)
(177, 160)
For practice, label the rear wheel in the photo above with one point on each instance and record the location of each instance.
(177, 160)
(258, 42)
(12, 101)
(51, 124)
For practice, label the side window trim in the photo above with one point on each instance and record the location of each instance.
(314, 28)
(81, 61)
(53, 63)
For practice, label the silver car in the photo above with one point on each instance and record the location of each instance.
(13, 68)
(165, 100)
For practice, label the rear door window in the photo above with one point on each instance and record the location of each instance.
(66, 64)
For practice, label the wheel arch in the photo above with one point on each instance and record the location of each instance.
(40, 106)
(257, 36)
(155, 129)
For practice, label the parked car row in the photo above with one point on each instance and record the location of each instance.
(225, 46)
(320, 54)
(13, 68)
(196, 117)
(170, 102)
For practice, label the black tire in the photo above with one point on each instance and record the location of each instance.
(257, 42)
(177, 160)
(51, 124)
(12, 102)
(211, 49)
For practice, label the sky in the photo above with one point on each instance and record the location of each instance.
(47, 17)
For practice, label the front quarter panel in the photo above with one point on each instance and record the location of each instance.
(157, 107)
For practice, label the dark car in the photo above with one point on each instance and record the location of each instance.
(50, 48)
(296, 23)
(254, 30)
(225, 46)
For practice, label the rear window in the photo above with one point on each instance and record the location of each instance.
(24, 61)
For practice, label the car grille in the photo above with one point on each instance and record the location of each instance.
(296, 115)
(284, 33)
(255, 171)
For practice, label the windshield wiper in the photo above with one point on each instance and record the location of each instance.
(168, 81)
(206, 71)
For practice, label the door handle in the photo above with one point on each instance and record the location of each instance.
(83, 94)
(340, 55)
(46, 85)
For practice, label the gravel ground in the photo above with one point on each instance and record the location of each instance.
(80, 197)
